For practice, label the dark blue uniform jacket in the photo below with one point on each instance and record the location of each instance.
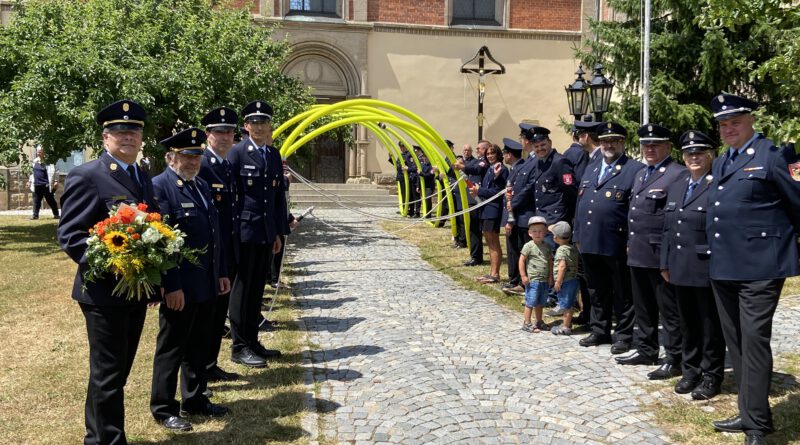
(223, 192)
(684, 247)
(490, 185)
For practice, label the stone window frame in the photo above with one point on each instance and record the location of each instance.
(286, 11)
(500, 16)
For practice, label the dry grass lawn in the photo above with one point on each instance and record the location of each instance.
(44, 360)
(686, 421)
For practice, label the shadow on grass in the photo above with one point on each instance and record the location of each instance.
(39, 238)
(251, 421)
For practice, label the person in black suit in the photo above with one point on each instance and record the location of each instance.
(512, 157)
(414, 204)
(601, 229)
(494, 181)
(190, 290)
(399, 175)
(684, 263)
(220, 124)
(261, 205)
(475, 168)
(753, 221)
(653, 298)
(113, 324)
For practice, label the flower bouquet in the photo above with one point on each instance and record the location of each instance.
(137, 247)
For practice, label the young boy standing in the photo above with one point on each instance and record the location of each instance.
(536, 273)
(565, 269)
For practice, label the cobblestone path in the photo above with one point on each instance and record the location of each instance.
(407, 356)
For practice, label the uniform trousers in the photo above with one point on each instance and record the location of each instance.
(654, 299)
(413, 199)
(43, 191)
(182, 345)
(248, 292)
(514, 242)
(274, 271)
(703, 343)
(475, 237)
(745, 313)
(217, 326)
(610, 278)
(586, 293)
(114, 333)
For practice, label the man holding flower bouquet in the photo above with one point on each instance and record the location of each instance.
(113, 323)
(190, 290)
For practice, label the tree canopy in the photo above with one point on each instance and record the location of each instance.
(61, 61)
(698, 49)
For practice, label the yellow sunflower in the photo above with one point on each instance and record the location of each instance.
(115, 241)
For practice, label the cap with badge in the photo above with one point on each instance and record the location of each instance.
(561, 229)
(123, 114)
(725, 106)
(694, 141)
(512, 146)
(536, 220)
(611, 130)
(187, 142)
(533, 133)
(449, 143)
(257, 111)
(651, 133)
(222, 118)
(586, 124)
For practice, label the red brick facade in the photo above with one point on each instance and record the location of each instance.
(418, 12)
(239, 4)
(561, 15)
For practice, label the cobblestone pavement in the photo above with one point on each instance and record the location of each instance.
(407, 356)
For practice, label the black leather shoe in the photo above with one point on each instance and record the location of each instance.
(259, 349)
(708, 388)
(752, 439)
(249, 358)
(664, 372)
(620, 347)
(595, 340)
(216, 374)
(732, 425)
(686, 384)
(176, 423)
(636, 359)
(209, 409)
(471, 263)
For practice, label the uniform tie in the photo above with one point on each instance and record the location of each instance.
(650, 170)
(132, 173)
(689, 191)
(605, 172)
(192, 186)
(731, 159)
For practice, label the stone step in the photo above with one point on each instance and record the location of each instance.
(324, 186)
(299, 206)
(348, 193)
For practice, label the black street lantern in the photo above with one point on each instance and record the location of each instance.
(600, 89)
(576, 95)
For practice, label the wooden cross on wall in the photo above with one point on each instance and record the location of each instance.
(482, 72)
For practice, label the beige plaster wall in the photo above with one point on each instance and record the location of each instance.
(432, 86)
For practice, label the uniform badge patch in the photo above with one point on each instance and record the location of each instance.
(794, 171)
(619, 196)
(566, 178)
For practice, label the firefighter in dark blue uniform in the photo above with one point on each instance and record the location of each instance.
(399, 176)
(653, 298)
(190, 290)
(601, 229)
(752, 224)
(584, 148)
(475, 169)
(414, 203)
(220, 125)
(512, 157)
(263, 215)
(113, 324)
(522, 209)
(684, 263)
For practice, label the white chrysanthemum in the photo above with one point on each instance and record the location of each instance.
(151, 236)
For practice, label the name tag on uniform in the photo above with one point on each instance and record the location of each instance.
(655, 190)
(187, 205)
(671, 206)
(119, 197)
(217, 186)
(752, 169)
(249, 167)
